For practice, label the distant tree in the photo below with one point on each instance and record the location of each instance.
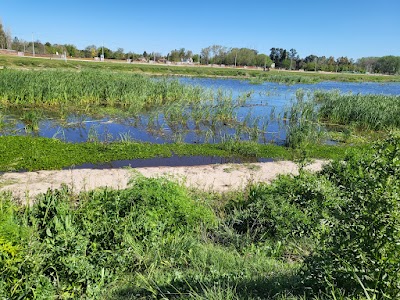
(310, 63)
(205, 55)
(3, 37)
(218, 54)
(17, 44)
(71, 50)
(107, 52)
(344, 64)
(90, 51)
(119, 54)
(196, 58)
(278, 55)
(388, 65)
(263, 60)
(367, 64)
(145, 55)
(292, 56)
(176, 55)
(189, 54)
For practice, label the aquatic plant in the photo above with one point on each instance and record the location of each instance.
(367, 112)
(96, 88)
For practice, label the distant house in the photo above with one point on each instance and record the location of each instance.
(188, 61)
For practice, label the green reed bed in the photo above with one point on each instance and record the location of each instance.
(314, 117)
(367, 112)
(100, 88)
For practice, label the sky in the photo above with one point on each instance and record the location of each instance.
(352, 28)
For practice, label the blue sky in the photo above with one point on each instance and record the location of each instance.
(353, 28)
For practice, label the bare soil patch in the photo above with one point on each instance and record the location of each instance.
(219, 178)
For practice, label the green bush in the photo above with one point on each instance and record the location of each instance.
(293, 206)
(74, 246)
(360, 254)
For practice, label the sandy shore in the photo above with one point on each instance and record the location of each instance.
(220, 177)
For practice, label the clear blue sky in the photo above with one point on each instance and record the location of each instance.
(353, 28)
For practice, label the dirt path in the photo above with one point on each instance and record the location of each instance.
(221, 177)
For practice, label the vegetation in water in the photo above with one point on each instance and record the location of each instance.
(50, 88)
(33, 153)
(349, 118)
(366, 112)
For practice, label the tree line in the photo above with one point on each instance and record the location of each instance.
(279, 58)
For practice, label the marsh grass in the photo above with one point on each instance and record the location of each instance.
(364, 112)
(49, 88)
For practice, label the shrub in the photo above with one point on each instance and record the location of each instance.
(293, 206)
(360, 254)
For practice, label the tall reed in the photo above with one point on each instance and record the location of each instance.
(99, 88)
(371, 112)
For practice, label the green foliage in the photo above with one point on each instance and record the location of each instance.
(91, 87)
(78, 246)
(292, 207)
(35, 153)
(303, 128)
(371, 112)
(360, 252)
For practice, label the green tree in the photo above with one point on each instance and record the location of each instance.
(292, 56)
(263, 60)
(388, 65)
(3, 37)
(119, 54)
(205, 55)
(71, 50)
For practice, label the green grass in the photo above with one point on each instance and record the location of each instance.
(55, 88)
(34, 153)
(365, 112)
(258, 75)
(156, 239)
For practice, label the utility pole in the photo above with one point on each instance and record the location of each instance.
(235, 58)
(33, 46)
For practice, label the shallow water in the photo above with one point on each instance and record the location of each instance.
(256, 117)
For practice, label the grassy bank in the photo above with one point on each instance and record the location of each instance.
(156, 239)
(156, 69)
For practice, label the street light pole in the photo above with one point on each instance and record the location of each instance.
(33, 46)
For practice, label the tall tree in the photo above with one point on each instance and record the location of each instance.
(3, 37)
(292, 56)
(205, 55)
